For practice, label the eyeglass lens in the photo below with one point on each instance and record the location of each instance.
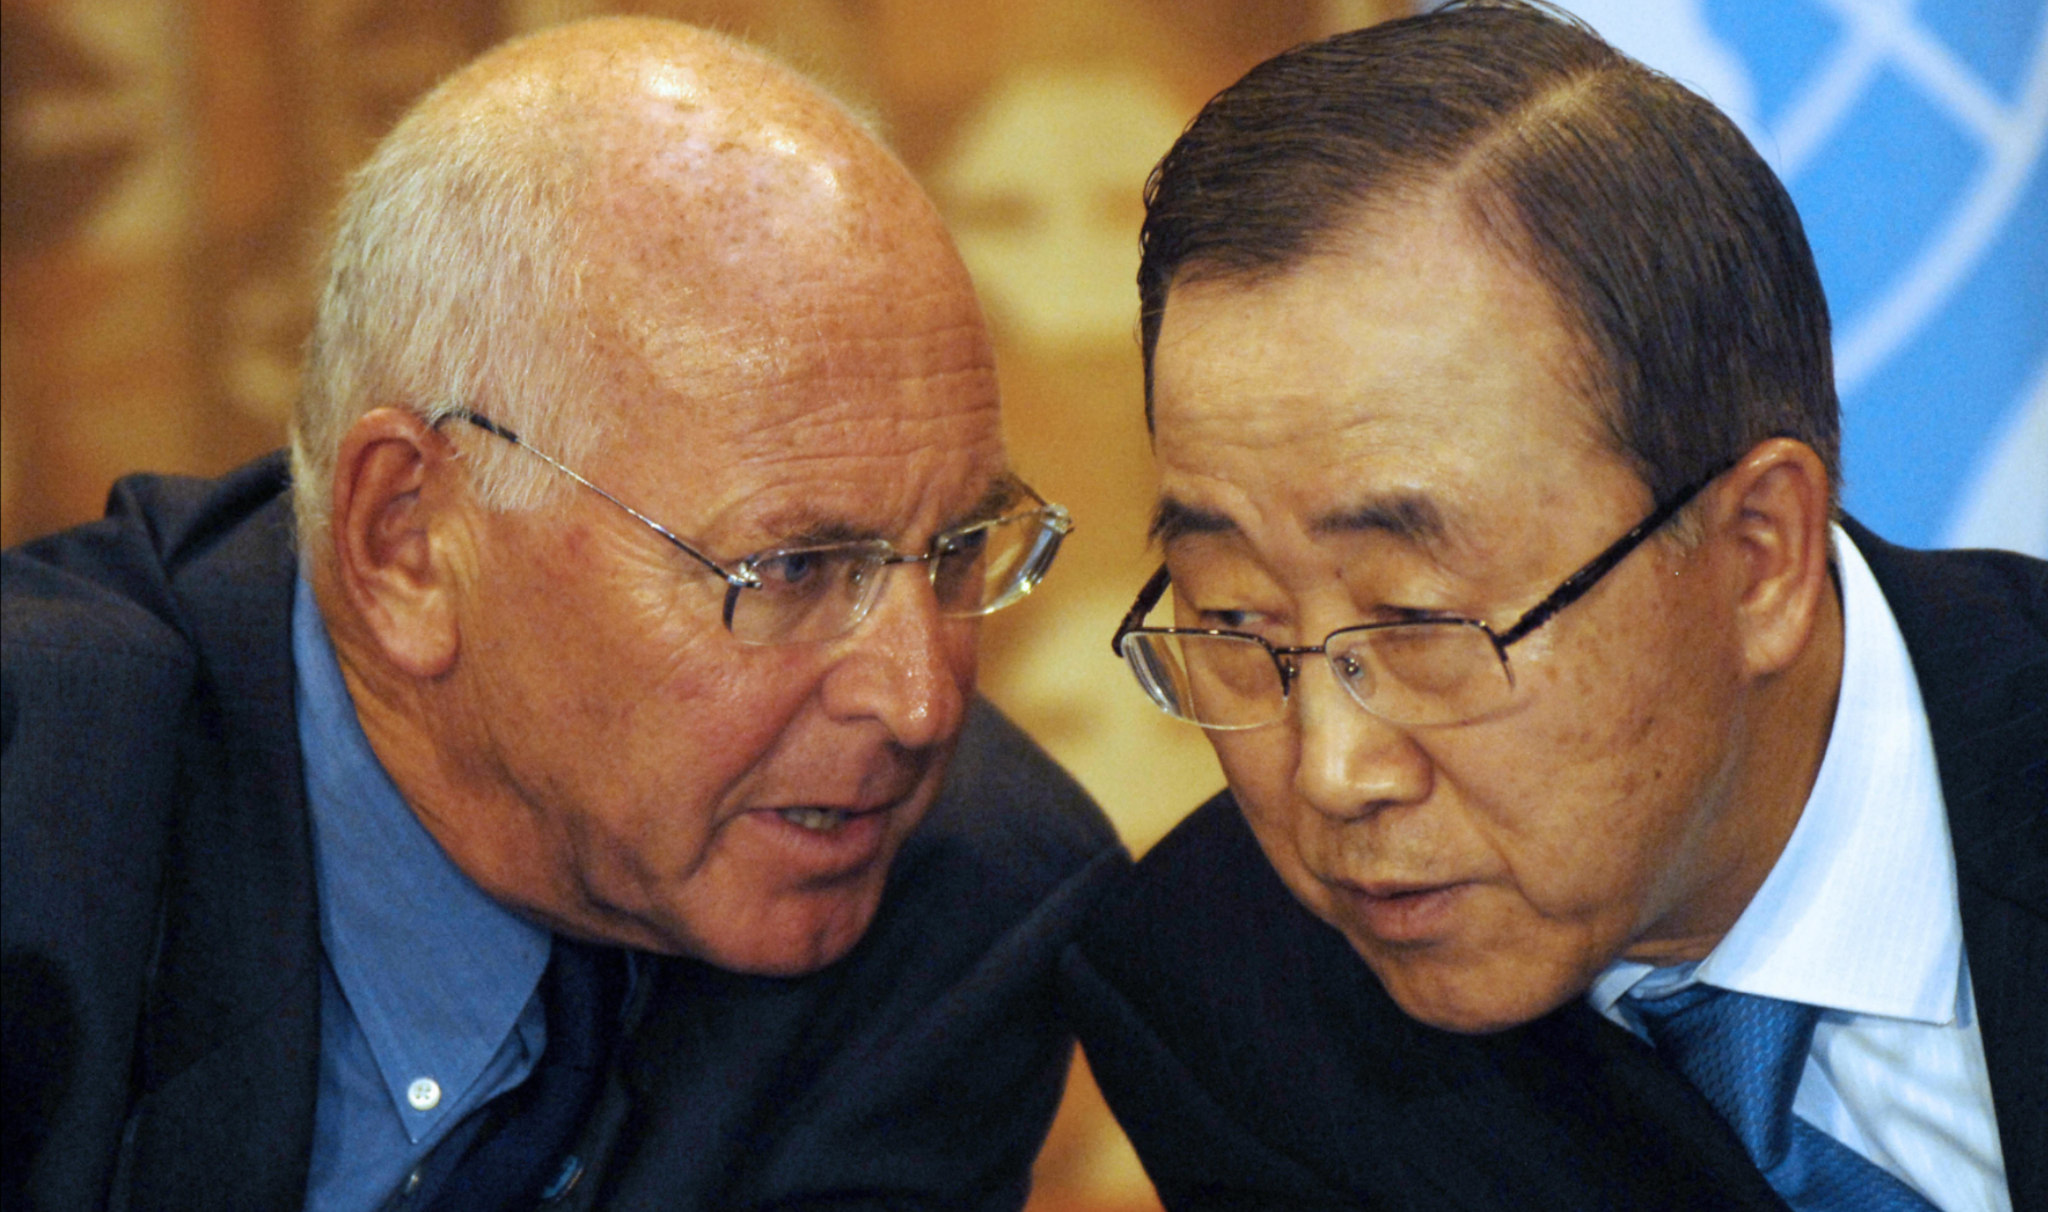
(1416, 673)
(816, 593)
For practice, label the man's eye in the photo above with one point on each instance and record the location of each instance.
(1232, 620)
(789, 569)
(968, 543)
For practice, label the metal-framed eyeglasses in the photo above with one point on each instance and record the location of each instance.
(800, 594)
(1428, 671)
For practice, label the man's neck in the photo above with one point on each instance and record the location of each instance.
(1795, 718)
(430, 744)
(1782, 740)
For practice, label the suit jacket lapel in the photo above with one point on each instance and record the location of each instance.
(1645, 1123)
(1270, 1008)
(1982, 664)
(2008, 949)
(1599, 1120)
(228, 1069)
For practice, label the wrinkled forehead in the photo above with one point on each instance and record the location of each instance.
(849, 405)
(1408, 382)
(849, 356)
(867, 401)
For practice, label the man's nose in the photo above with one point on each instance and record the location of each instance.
(1350, 763)
(905, 665)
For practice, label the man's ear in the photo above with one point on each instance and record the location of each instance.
(1772, 514)
(398, 518)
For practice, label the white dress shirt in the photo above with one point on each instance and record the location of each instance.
(1859, 917)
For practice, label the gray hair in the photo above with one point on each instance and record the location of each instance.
(453, 282)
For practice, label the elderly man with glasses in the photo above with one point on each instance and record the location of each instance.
(559, 811)
(1610, 823)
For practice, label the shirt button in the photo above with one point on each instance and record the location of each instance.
(424, 1094)
(412, 1183)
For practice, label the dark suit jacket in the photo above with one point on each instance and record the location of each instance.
(1256, 1062)
(162, 952)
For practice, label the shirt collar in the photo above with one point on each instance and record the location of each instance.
(434, 970)
(1859, 913)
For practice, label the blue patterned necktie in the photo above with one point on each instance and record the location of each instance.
(1745, 1054)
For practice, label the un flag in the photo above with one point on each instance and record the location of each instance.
(1911, 136)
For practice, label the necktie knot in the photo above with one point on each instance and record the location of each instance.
(1746, 1054)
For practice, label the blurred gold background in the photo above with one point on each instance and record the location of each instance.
(168, 167)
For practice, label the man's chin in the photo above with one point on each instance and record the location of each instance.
(797, 941)
(1465, 999)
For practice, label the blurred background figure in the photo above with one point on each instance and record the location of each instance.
(168, 168)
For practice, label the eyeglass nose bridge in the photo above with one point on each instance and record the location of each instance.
(876, 580)
(1288, 662)
(927, 558)
(871, 592)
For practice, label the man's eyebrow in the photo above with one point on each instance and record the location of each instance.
(806, 529)
(1410, 517)
(821, 532)
(1172, 519)
(1004, 492)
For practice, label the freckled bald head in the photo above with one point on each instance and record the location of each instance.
(627, 235)
(728, 201)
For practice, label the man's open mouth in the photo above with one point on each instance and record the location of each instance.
(817, 820)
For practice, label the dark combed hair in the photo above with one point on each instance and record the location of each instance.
(1667, 241)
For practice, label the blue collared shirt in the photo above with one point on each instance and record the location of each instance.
(429, 1002)
(1859, 916)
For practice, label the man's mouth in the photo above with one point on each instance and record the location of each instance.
(1404, 911)
(817, 820)
(841, 832)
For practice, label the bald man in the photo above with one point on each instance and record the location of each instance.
(537, 791)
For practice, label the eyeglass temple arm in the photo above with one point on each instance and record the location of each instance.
(734, 579)
(1576, 585)
(1148, 597)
